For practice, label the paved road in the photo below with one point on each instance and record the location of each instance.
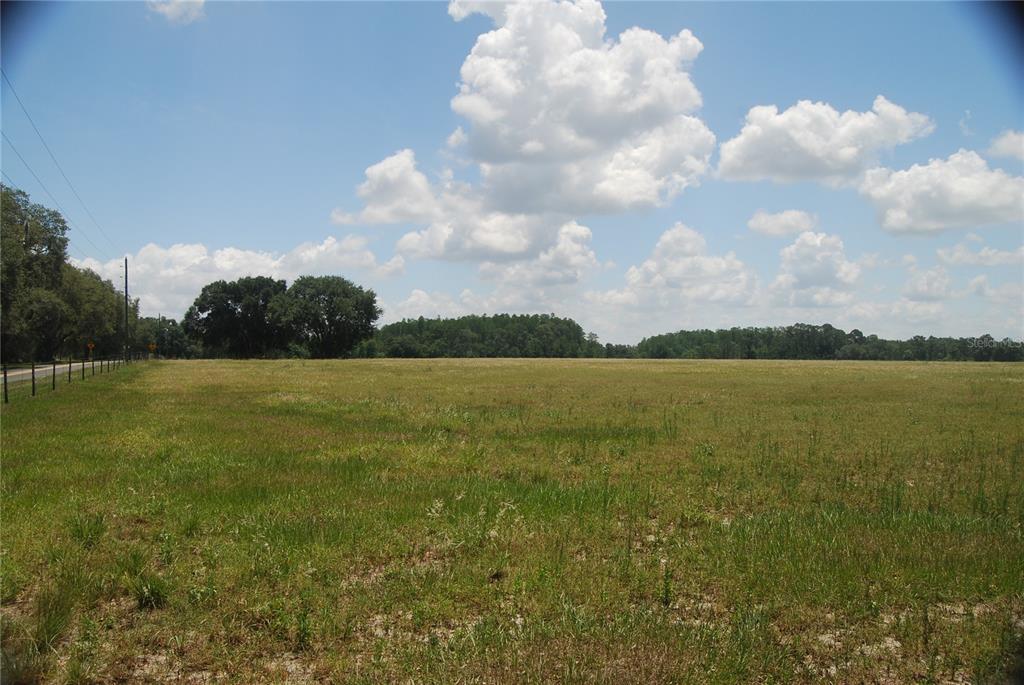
(43, 371)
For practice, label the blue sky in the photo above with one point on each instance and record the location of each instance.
(619, 178)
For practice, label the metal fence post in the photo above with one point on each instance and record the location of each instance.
(83, 369)
(92, 365)
(6, 400)
(69, 370)
(53, 376)
(33, 379)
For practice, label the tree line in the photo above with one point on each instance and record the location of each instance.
(53, 309)
(50, 308)
(501, 335)
(805, 341)
(546, 335)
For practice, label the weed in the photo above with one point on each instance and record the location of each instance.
(150, 590)
(87, 529)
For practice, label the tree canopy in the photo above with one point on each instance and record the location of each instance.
(233, 318)
(257, 316)
(329, 315)
(501, 335)
(48, 306)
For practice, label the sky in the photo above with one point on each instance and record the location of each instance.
(639, 167)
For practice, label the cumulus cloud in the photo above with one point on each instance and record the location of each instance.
(457, 223)
(903, 311)
(1010, 294)
(961, 254)
(426, 304)
(564, 263)
(680, 270)
(1008, 144)
(927, 285)
(559, 120)
(394, 191)
(562, 118)
(812, 141)
(814, 272)
(957, 192)
(782, 223)
(178, 11)
(167, 279)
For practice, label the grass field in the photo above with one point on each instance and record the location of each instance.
(516, 521)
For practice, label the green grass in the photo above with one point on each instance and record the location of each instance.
(516, 521)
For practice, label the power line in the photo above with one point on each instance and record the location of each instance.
(54, 158)
(47, 191)
(71, 244)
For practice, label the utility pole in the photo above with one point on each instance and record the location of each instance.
(126, 309)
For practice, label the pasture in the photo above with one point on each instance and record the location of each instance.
(516, 521)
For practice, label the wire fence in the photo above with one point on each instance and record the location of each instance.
(36, 378)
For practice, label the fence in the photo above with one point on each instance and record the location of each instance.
(34, 378)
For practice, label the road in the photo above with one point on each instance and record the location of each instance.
(43, 371)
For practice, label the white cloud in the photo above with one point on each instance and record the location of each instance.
(679, 270)
(927, 285)
(965, 124)
(560, 120)
(961, 254)
(814, 272)
(167, 279)
(813, 141)
(896, 314)
(394, 191)
(457, 138)
(425, 304)
(1009, 143)
(1010, 293)
(565, 263)
(957, 192)
(782, 223)
(178, 11)
(542, 283)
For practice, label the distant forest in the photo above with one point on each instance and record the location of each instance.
(52, 309)
(543, 335)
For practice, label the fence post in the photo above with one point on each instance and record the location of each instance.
(83, 369)
(69, 369)
(53, 376)
(33, 379)
(5, 385)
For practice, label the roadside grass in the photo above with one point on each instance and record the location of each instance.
(516, 521)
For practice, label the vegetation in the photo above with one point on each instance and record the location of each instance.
(544, 335)
(502, 335)
(48, 307)
(325, 316)
(516, 521)
(803, 341)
